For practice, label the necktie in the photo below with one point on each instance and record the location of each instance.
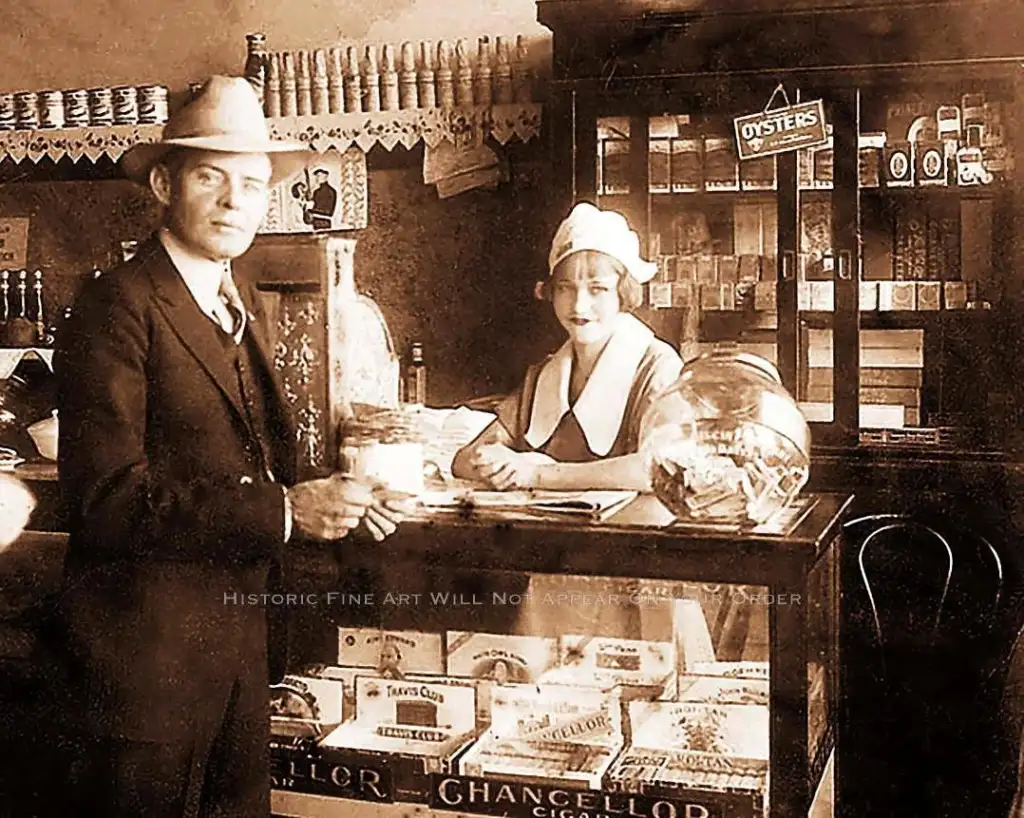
(235, 307)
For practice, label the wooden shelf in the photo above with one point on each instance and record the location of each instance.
(895, 319)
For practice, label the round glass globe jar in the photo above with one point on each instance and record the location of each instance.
(726, 441)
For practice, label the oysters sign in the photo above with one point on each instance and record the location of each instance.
(781, 130)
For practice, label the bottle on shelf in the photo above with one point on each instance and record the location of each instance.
(425, 77)
(415, 380)
(256, 62)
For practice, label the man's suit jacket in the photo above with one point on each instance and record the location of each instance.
(173, 519)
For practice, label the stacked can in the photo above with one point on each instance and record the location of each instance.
(26, 110)
(76, 108)
(101, 107)
(7, 119)
(152, 102)
(125, 105)
(51, 109)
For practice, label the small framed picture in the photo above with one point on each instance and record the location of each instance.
(329, 194)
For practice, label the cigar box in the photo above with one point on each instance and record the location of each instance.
(687, 166)
(659, 295)
(823, 296)
(803, 296)
(710, 297)
(749, 269)
(930, 163)
(898, 169)
(499, 657)
(727, 269)
(707, 272)
(719, 751)
(904, 295)
(758, 174)
(642, 669)
(871, 146)
(929, 295)
(885, 295)
(658, 168)
(548, 734)
(671, 268)
(306, 706)
(722, 690)
(868, 296)
(955, 295)
(764, 296)
(303, 766)
(411, 729)
(391, 654)
(684, 293)
(721, 168)
(686, 268)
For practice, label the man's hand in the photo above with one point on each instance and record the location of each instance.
(505, 469)
(330, 508)
(16, 505)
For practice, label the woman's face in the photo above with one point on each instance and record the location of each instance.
(585, 295)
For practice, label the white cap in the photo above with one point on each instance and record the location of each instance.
(604, 231)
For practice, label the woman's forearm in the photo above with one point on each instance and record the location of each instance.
(626, 472)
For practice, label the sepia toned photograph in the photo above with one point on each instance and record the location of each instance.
(512, 408)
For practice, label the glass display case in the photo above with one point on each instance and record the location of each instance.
(524, 666)
(876, 267)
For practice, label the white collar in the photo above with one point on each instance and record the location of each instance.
(201, 275)
(601, 405)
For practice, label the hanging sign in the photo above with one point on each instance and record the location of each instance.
(13, 244)
(790, 128)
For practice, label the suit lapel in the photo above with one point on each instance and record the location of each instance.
(197, 332)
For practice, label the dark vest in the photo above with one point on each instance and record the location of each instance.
(254, 388)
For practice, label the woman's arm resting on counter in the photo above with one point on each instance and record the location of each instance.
(625, 472)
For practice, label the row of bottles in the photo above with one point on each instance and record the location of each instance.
(17, 328)
(354, 79)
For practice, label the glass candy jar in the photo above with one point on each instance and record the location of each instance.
(726, 441)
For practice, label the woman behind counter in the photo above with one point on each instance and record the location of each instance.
(575, 423)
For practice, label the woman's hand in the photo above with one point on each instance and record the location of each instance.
(505, 469)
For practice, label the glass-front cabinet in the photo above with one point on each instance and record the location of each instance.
(874, 267)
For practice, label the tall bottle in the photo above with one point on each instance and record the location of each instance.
(416, 377)
(256, 62)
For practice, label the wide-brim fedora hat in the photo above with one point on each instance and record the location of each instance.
(225, 116)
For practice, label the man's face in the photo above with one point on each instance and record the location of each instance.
(215, 201)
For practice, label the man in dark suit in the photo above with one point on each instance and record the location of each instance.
(177, 465)
(322, 203)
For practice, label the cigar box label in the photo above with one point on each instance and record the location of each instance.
(948, 120)
(748, 269)
(899, 166)
(727, 296)
(721, 170)
(868, 296)
(904, 295)
(301, 702)
(474, 795)
(498, 657)
(764, 296)
(955, 295)
(737, 731)
(320, 773)
(659, 294)
(758, 174)
(560, 713)
(392, 654)
(607, 661)
(731, 670)
(930, 167)
(929, 295)
(718, 690)
(615, 166)
(415, 718)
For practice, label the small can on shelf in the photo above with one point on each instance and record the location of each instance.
(76, 108)
(101, 107)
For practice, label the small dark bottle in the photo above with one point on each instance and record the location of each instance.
(416, 377)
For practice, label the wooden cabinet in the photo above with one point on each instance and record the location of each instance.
(876, 270)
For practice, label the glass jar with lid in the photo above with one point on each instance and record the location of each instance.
(726, 441)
